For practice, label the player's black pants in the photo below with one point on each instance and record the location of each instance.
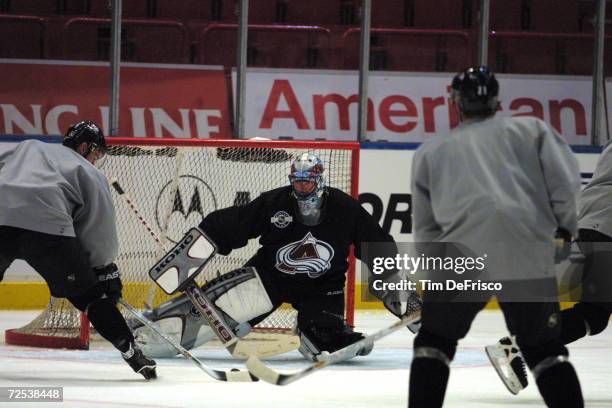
(446, 318)
(64, 264)
(534, 324)
(61, 261)
(593, 311)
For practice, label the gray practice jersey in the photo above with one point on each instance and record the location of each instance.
(501, 187)
(52, 189)
(595, 203)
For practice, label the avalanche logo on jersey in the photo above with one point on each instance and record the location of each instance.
(309, 255)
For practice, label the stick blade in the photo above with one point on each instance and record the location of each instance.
(262, 371)
(235, 375)
(263, 345)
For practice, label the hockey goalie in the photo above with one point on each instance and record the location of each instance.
(305, 231)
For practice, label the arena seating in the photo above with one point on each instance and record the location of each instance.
(410, 49)
(310, 46)
(143, 40)
(29, 30)
(527, 36)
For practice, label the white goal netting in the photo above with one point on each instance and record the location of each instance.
(173, 184)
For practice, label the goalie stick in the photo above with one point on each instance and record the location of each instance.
(233, 375)
(268, 374)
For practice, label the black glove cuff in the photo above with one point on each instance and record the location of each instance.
(108, 272)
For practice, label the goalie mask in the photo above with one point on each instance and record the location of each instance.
(308, 187)
(86, 132)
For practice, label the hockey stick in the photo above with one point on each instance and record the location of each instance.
(233, 375)
(262, 371)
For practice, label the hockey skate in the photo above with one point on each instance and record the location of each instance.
(140, 363)
(509, 364)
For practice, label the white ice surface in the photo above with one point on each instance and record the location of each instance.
(100, 378)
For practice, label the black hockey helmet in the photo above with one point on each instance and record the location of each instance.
(477, 90)
(85, 132)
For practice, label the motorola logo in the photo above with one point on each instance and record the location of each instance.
(183, 205)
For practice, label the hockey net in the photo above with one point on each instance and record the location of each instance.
(174, 183)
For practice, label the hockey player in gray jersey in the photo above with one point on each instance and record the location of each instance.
(56, 213)
(591, 315)
(502, 187)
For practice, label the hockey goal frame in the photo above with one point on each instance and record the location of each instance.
(12, 336)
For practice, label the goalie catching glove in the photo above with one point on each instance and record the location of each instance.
(238, 295)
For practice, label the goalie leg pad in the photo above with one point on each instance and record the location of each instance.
(239, 296)
(179, 320)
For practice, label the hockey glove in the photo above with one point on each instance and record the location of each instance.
(110, 280)
(401, 308)
(563, 243)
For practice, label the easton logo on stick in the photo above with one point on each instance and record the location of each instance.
(309, 255)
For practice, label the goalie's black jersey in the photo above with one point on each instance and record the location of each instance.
(295, 257)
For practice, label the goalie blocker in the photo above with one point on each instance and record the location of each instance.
(182, 264)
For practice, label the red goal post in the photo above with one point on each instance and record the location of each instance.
(174, 183)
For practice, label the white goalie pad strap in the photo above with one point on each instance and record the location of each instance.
(184, 262)
(245, 297)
